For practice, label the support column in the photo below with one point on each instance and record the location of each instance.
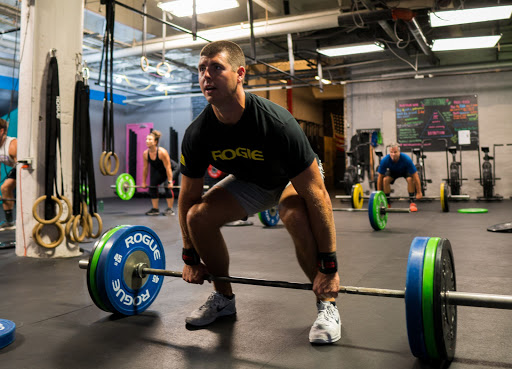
(45, 25)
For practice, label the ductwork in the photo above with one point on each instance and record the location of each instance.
(273, 27)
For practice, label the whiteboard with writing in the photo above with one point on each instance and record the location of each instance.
(436, 121)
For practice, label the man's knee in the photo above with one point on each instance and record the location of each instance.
(293, 210)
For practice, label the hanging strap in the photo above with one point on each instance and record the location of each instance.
(52, 137)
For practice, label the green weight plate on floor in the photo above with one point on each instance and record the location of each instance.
(445, 207)
(92, 275)
(125, 186)
(445, 315)
(473, 211)
(357, 196)
(427, 300)
(377, 203)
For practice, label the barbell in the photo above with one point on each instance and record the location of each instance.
(357, 198)
(377, 210)
(125, 267)
(125, 186)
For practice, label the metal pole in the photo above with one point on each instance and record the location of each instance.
(283, 284)
(477, 300)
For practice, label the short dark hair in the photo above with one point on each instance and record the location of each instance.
(235, 54)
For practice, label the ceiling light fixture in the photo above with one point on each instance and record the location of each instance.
(465, 43)
(351, 49)
(183, 8)
(464, 16)
(324, 81)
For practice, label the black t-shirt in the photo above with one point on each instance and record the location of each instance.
(266, 147)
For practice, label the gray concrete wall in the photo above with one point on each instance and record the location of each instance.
(372, 105)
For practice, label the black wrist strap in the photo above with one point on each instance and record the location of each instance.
(190, 256)
(327, 262)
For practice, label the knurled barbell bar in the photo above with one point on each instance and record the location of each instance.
(377, 210)
(125, 186)
(357, 198)
(125, 266)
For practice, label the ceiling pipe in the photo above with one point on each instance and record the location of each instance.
(415, 29)
(272, 27)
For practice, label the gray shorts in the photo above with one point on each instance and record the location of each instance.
(253, 198)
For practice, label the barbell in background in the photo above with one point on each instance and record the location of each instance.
(357, 197)
(377, 210)
(125, 186)
(125, 267)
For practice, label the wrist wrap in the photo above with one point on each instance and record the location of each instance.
(327, 262)
(190, 256)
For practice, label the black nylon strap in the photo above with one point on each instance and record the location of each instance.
(52, 135)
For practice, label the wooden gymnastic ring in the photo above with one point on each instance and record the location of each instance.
(102, 158)
(144, 63)
(37, 235)
(83, 222)
(70, 209)
(67, 230)
(44, 221)
(109, 155)
(100, 226)
(160, 73)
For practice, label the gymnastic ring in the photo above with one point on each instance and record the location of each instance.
(109, 155)
(44, 221)
(70, 210)
(158, 68)
(144, 63)
(37, 236)
(67, 230)
(102, 168)
(100, 226)
(83, 222)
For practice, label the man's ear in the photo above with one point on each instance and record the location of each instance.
(241, 74)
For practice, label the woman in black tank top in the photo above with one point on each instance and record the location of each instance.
(160, 174)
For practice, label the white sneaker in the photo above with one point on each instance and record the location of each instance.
(216, 306)
(327, 326)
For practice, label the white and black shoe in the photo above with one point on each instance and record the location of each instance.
(216, 306)
(7, 226)
(327, 326)
(153, 212)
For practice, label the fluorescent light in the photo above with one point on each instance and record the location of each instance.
(463, 43)
(451, 17)
(324, 81)
(183, 8)
(351, 49)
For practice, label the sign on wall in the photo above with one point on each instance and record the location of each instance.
(436, 122)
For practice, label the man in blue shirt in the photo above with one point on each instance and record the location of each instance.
(396, 165)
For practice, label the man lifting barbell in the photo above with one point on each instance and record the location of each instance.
(8, 152)
(263, 148)
(396, 165)
(161, 171)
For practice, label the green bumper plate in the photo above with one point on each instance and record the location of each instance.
(472, 211)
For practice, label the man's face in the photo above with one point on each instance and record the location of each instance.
(217, 80)
(394, 153)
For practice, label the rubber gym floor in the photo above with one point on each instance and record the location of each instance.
(58, 325)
